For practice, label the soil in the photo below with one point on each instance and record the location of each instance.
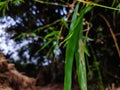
(54, 87)
(11, 79)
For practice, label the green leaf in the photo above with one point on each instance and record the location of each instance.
(74, 48)
(74, 16)
(85, 49)
(81, 67)
(46, 44)
(118, 7)
(72, 45)
(3, 6)
(64, 23)
(54, 33)
(73, 22)
(2, 3)
(19, 36)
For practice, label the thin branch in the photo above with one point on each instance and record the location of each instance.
(98, 5)
(112, 33)
(52, 3)
(46, 26)
(89, 25)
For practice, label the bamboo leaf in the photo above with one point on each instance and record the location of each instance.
(74, 16)
(45, 45)
(51, 34)
(75, 35)
(118, 6)
(2, 3)
(19, 36)
(73, 22)
(81, 68)
(70, 51)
